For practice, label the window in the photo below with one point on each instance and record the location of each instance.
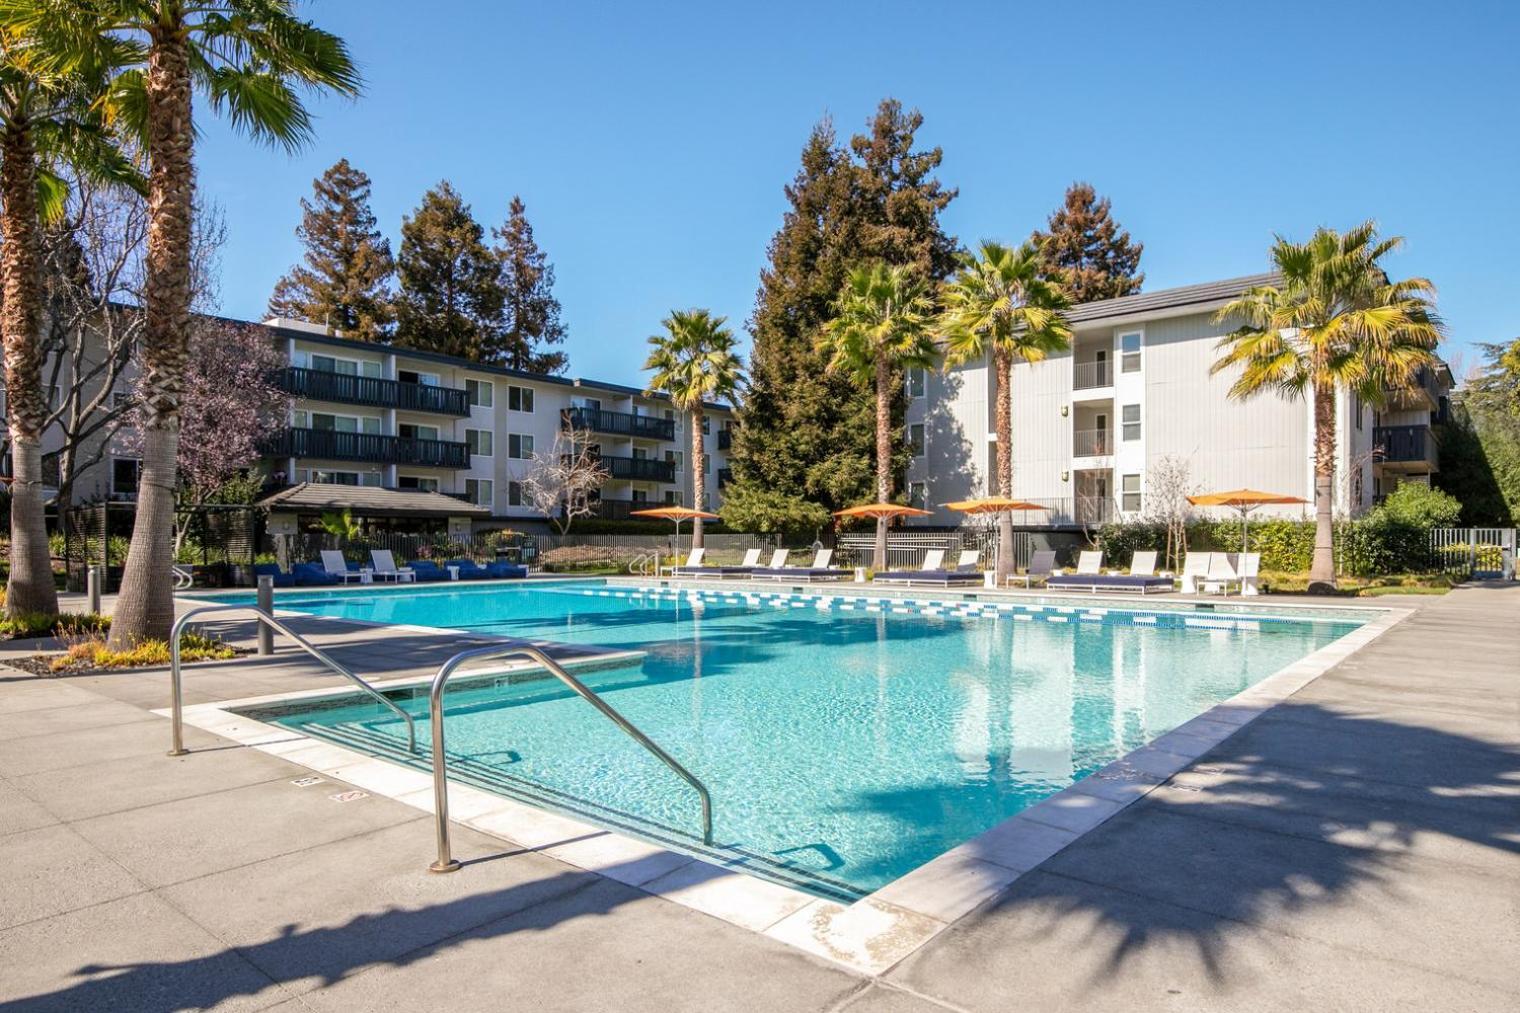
(124, 475)
(348, 367)
(674, 457)
(321, 476)
(640, 496)
(918, 495)
(706, 503)
(916, 439)
(670, 498)
(917, 378)
(706, 426)
(1129, 486)
(519, 446)
(482, 393)
(479, 442)
(410, 431)
(1356, 409)
(337, 423)
(519, 399)
(1131, 421)
(514, 494)
(413, 376)
(1129, 352)
(478, 491)
(417, 482)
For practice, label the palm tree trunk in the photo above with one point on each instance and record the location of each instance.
(31, 587)
(1002, 364)
(145, 606)
(698, 475)
(1322, 570)
(883, 456)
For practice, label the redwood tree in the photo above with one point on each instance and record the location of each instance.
(1086, 250)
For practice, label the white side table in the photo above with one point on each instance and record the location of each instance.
(453, 573)
(366, 575)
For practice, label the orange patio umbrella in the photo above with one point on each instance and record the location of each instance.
(1244, 500)
(674, 513)
(878, 510)
(993, 505)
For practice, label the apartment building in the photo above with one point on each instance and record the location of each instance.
(1091, 423)
(367, 414)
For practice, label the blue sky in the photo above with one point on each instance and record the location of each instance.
(651, 142)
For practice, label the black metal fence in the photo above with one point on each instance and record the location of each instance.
(217, 544)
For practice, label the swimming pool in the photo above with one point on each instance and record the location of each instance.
(845, 739)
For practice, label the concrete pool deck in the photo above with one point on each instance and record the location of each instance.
(1356, 846)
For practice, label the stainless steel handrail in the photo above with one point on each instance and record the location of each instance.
(301, 642)
(446, 862)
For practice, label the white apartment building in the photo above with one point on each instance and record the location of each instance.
(369, 414)
(1134, 387)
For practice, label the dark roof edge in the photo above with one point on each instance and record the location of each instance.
(1181, 297)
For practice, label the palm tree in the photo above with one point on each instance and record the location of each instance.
(1335, 321)
(46, 117)
(998, 306)
(694, 362)
(882, 326)
(250, 59)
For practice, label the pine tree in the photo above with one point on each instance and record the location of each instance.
(1087, 250)
(344, 281)
(531, 316)
(807, 434)
(450, 297)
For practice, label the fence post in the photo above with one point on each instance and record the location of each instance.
(266, 606)
(92, 577)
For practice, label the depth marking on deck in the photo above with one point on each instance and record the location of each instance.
(306, 782)
(349, 796)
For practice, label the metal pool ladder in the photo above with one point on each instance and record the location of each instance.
(301, 642)
(446, 861)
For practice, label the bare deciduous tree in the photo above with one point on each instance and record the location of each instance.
(1168, 484)
(560, 482)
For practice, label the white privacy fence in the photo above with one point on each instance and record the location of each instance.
(1474, 552)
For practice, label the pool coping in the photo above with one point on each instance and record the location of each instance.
(870, 935)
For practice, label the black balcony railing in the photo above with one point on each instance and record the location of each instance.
(725, 438)
(636, 469)
(1402, 443)
(616, 509)
(725, 476)
(644, 427)
(323, 385)
(342, 446)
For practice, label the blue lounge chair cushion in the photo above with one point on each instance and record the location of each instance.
(281, 578)
(426, 569)
(799, 571)
(1118, 581)
(501, 569)
(928, 576)
(468, 569)
(311, 575)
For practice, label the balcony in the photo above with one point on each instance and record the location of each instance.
(617, 509)
(333, 445)
(1407, 449)
(1092, 443)
(1088, 375)
(725, 438)
(639, 427)
(345, 388)
(637, 469)
(1424, 391)
(725, 476)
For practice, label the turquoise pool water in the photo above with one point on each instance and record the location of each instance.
(844, 741)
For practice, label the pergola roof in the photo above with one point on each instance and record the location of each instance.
(370, 501)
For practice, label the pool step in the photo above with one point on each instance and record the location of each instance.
(363, 737)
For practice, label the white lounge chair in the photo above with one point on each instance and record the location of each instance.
(819, 570)
(1042, 566)
(1250, 570)
(1143, 564)
(1222, 573)
(934, 571)
(336, 566)
(693, 561)
(1194, 569)
(1089, 564)
(386, 569)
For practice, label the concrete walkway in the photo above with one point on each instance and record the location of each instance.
(1356, 848)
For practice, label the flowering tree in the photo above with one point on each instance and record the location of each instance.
(231, 404)
(561, 480)
(1167, 488)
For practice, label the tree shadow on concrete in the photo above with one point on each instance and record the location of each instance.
(393, 937)
(1303, 810)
